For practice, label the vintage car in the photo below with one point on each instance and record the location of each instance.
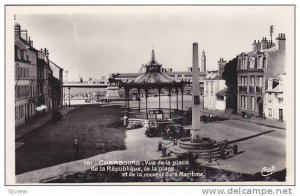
(174, 131)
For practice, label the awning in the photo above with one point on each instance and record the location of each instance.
(222, 93)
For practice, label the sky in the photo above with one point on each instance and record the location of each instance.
(96, 41)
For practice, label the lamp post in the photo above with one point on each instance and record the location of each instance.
(69, 88)
(202, 95)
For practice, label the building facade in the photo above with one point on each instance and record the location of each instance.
(32, 83)
(267, 59)
(214, 87)
(26, 90)
(274, 98)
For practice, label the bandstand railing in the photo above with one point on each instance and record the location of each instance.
(165, 113)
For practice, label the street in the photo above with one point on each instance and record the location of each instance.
(98, 129)
(92, 124)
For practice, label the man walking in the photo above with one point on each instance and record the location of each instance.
(76, 149)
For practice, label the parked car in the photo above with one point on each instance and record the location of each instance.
(153, 132)
(174, 131)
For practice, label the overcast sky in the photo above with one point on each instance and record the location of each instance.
(101, 40)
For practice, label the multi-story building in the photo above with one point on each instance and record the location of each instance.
(26, 90)
(214, 88)
(43, 70)
(267, 59)
(274, 98)
(32, 79)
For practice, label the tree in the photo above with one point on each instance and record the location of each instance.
(230, 76)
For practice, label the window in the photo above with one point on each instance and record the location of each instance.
(270, 112)
(211, 88)
(252, 62)
(260, 81)
(252, 81)
(264, 62)
(207, 86)
(252, 103)
(18, 53)
(243, 102)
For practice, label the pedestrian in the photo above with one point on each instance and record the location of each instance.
(175, 142)
(76, 149)
(204, 118)
(125, 120)
(146, 125)
(210, 117)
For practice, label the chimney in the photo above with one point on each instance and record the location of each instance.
(17, 29)
(30, 42)
(280, 41)
(254, 45)
(264, 43)
(46, 55)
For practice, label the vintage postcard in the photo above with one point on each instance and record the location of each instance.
(150, 95)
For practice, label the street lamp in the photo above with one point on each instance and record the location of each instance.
(202, 95)
(69, 88)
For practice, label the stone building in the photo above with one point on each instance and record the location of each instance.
(267, 59)
(215, 89)
(43, 70)
(32, 79)
(26, 89)
(274, 98)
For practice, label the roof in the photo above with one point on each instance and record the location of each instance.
(153, 77)
(127, 75)
(185, 73)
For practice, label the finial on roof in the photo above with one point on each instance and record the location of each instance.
(152, 55)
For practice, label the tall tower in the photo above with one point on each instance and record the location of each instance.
(221, 65)
(203, 62)
(195, 133)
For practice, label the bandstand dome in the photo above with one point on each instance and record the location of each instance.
(153, 78)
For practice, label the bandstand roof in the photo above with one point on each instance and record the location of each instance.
(153, 77)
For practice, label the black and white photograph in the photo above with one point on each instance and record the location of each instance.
(150, 95)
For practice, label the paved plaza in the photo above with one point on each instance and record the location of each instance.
(47, 152)
(98, 129)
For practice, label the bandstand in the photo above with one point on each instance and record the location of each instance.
(154, 79)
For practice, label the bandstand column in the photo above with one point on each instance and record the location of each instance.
(176, 98)
(181, 99)
(159, 90)
(146, 95)
(125, 98)
(139, 93)
(128, 98)
(170, 103)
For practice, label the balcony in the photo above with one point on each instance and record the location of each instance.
(243, 88)
(259, 89)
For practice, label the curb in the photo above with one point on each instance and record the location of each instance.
(258, 123)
